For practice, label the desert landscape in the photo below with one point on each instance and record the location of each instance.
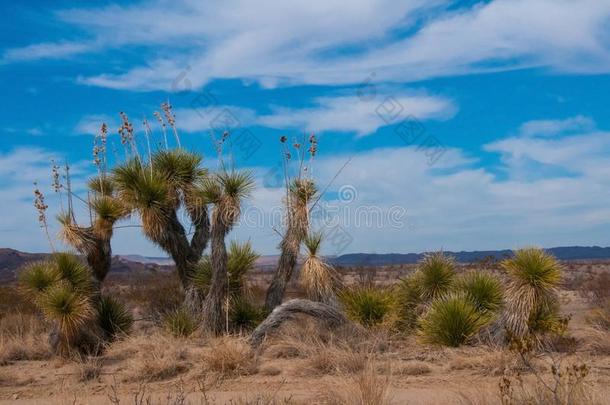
(305, 361)
(369, 202)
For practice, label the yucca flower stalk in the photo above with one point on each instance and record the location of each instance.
(226, 190)
(533, 279)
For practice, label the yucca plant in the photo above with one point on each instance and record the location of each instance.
(300, 195)
(114, 319)
(436, 275)
(226, 190)
(533, 278)
(157, 190)
(317, 277)
(180, 322)
(368, 305)
(483, 289)
(36, 277)
(408, 302)
(70, 309)
(243, 315)
(451, 321)
(93, 241)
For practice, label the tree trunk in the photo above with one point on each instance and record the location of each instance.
(288, 259)
(100, 260)
(213, 314)
(332, 316)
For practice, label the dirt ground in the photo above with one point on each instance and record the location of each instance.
(294, 367)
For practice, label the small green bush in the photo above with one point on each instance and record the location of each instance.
(114, 319)
(180, 323)
(368, 305)
(483, 289)
(436, 275)
(451, 321)
(243, 315)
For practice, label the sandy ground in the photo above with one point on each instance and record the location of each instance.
(416, 374)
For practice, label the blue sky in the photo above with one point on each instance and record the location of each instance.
(510, 98)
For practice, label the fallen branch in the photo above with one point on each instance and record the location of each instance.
(287, 311)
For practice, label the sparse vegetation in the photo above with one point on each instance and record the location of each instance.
(368, 304)
(531, 293)
(452, 321)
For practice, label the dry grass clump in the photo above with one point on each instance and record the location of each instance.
(23, 337)
(89, 368)
(413, 367)
(365, 388)
(333, 358)
(152, 358)
(231, 356)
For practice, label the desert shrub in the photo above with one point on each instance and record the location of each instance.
(531, 294)
(451, 321)
(367, 387)
(407, 302)
(596, 289)
(231, 356)
(368, 305)
(243, 315)
(483, 289)
(180, 322)
(23, 337)
(436, 275)
(600, 317)
(89, 368)
(153, 358)
(114, 319)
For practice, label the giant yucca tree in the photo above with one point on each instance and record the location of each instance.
(157, 190)
(226, 190)
(533, 279)
(300, 195)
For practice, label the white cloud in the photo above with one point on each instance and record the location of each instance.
(554, 127)
(457, 203)
(354, 114)
(92, 123)
(334, 42)
(58, 50)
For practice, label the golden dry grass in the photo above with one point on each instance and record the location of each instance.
(230, 356)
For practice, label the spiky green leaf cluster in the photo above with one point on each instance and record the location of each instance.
(436, 275)
(531, 295)
(368, 305)
(241, 259)
(243, 315)
(114, 319)
(451, 321)
(483, 289)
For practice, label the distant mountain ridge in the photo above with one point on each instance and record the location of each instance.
(12, 260)
(384, 259)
